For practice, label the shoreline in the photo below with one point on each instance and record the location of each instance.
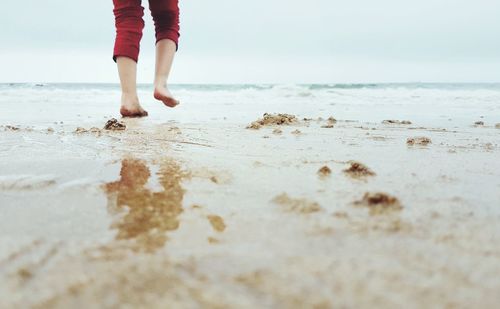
(194, 209)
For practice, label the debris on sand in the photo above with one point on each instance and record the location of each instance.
(479, 123)
(497, 126)
(273, 119)
(296, 132)
(331, 120)
(217, 223)
(80, 130)
(93, 130)
(114, 125)
(11, 128)
(297, 205)
(378, 138)
(277, 131)
(213, 240)
(330, 123)
(24, 273)
(379, 203)
(392, 121)
(175, 130)
(50, 130)
(488, 146)
(324, 171)
(341, 214)
(358, 170)
(254, 125)
(419, 140)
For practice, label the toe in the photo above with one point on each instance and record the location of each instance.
(171, 102)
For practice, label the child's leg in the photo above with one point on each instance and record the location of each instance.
(129, 25)
(165, 51)
(130, 106)
(166, 18)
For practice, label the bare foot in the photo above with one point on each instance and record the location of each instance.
(131, 107)
(162, 94)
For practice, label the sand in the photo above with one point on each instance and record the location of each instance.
(419, 140)
(189, 209)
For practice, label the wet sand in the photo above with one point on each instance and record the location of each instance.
(220, 213)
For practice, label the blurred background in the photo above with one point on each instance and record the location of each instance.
(262, 41)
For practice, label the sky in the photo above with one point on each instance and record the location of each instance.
(263, 41)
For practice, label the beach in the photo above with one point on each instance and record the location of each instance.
(244, 196)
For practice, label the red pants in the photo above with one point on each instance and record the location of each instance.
(129, 24)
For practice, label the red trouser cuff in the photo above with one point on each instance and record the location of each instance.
(129, 51)
(172, 35)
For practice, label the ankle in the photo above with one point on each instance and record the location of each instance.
(129, 99)
(129, 96)
(160, 84)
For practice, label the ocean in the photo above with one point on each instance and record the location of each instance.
(446, 105)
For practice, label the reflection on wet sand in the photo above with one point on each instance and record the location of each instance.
(150, 214)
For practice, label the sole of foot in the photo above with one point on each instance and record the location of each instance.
(137, 113)
(166, 98)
